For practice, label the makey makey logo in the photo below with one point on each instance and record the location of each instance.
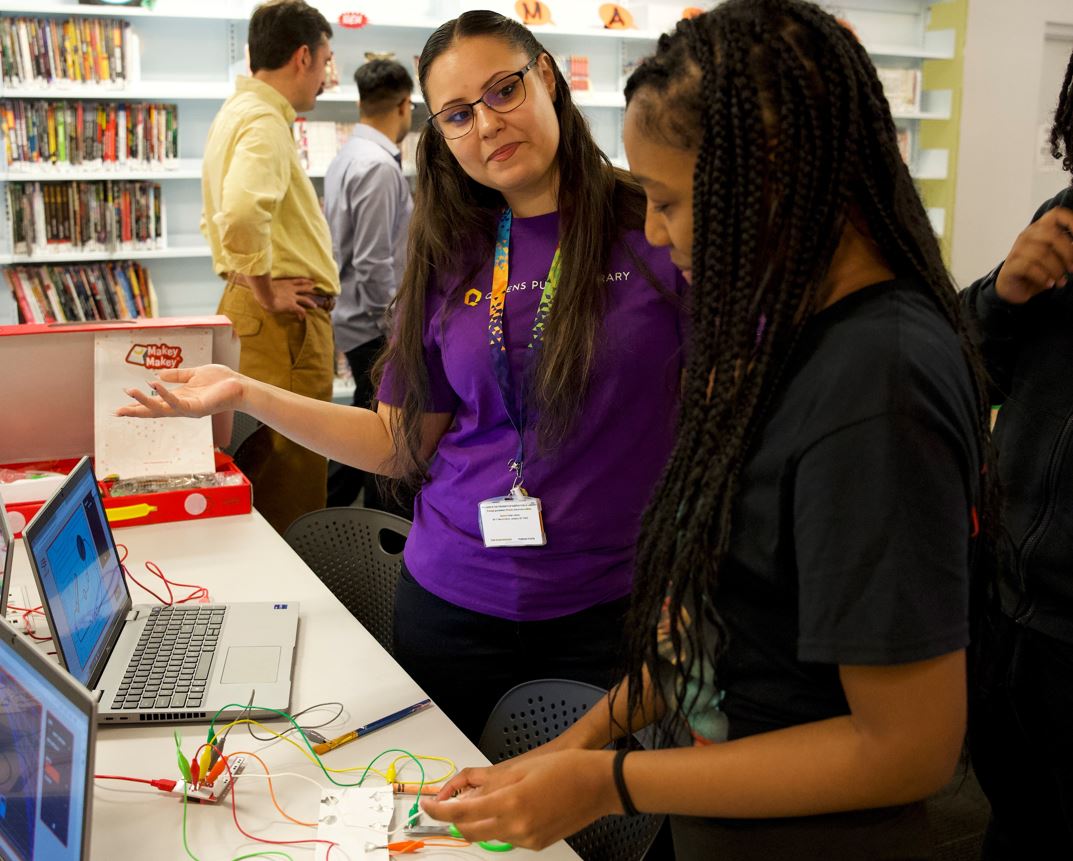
(155, 357)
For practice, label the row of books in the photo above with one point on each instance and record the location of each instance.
(43, 51)
(63, 134)
(117, 290)
(105, 215)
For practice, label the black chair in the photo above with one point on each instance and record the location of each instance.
(533, 713)
(243, 426)
(357, 554)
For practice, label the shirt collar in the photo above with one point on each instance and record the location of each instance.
(267, 93)
(361, 130)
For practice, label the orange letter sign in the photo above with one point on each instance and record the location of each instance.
(615, 17)
(533, 13)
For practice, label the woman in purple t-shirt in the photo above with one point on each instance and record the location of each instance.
(529, 387)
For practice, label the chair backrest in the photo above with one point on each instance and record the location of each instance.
(533, 713)
(345, 548)
(243, 426)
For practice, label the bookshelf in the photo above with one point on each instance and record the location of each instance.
(169, 70)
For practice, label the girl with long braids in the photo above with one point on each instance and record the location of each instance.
(1019, 738)
(801, 604)
(529, 385)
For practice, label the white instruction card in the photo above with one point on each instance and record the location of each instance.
(356, 819)
(135, 448)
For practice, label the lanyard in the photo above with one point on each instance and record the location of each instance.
(515, 406)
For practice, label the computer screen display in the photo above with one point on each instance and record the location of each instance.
(75, 559)
(46, 753)
(7, 553)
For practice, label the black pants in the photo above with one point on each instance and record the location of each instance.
(1021, 740)
(344, 482)
(466, 661)
(885, 834)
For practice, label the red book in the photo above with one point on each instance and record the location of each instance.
(19, 292)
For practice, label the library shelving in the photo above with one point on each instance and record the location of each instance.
(167, 69)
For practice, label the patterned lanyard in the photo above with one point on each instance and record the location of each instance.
(515, 407)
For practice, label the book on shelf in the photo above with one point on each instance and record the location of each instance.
(100, 215)
(116, 290)
(55, 52)
(902, 88)
(59, 135)
(905, 144)
(575, 68)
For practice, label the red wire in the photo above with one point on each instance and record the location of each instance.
(234, 815)
(26, 613)
(120, 777)
(198, 592)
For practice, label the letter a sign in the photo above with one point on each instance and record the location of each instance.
(533, 12)
(615, 17)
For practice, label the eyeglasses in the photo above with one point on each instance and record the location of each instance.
(504, 96)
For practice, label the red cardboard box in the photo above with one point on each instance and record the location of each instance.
(46, 421)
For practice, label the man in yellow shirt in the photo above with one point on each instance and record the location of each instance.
(270, 241)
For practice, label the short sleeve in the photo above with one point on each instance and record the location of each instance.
(442, 396)
(882, 521)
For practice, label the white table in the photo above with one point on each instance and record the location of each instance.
(242, 558)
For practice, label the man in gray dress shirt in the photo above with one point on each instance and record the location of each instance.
(368, 204)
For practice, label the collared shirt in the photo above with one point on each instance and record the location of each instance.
(261, 213)
(368, 204)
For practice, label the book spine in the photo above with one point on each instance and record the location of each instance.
(25, 314)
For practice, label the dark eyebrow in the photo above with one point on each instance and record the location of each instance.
(496, 76)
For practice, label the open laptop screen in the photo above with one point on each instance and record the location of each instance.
(7, 553)
(46, 745)
(74, 557)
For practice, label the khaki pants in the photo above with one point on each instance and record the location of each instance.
(288, 479)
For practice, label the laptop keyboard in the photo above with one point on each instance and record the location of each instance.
(170, 665)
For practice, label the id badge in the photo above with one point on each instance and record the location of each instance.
(512, 521)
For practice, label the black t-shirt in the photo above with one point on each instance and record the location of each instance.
(852, 530)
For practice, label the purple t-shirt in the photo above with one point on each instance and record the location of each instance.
(594, 486)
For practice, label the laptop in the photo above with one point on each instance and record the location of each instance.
(7, 554)
(144, 662)
(47, 737)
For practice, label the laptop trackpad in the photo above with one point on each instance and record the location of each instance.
(245, 664)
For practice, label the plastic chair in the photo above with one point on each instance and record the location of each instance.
(243, 426)
(345, 547)
(533, 713)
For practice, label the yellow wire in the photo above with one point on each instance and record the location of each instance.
(316, 760)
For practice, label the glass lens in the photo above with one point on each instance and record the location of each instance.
(506, 94)
(455, 121)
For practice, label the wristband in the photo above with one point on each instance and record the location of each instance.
(620, 784)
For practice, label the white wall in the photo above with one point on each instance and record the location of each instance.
(1006, 54)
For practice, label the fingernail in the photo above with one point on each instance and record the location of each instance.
(1050, 283)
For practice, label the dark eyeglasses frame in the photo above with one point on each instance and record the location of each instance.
(520, 75)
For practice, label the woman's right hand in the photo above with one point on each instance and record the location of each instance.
(1041, 258)
(205, 390)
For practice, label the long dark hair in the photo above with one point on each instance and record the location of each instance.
(1062, 130)
(794, 137)
(453, 232)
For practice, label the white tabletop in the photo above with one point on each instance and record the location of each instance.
(242, 558)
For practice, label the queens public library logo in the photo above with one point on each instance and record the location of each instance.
(155, 357)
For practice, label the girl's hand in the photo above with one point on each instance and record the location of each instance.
(206, 390)
(529, 802)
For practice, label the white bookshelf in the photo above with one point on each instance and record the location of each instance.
(191, 50)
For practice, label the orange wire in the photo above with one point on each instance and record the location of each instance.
(271, 791)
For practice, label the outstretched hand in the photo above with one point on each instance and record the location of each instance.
(205, 390)
(530, 802)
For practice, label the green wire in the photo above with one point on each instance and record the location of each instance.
(266, 854)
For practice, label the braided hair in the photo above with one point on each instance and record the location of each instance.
(1062, 130)
(794, 137)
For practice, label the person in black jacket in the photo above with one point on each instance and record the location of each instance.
(1021, 726)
